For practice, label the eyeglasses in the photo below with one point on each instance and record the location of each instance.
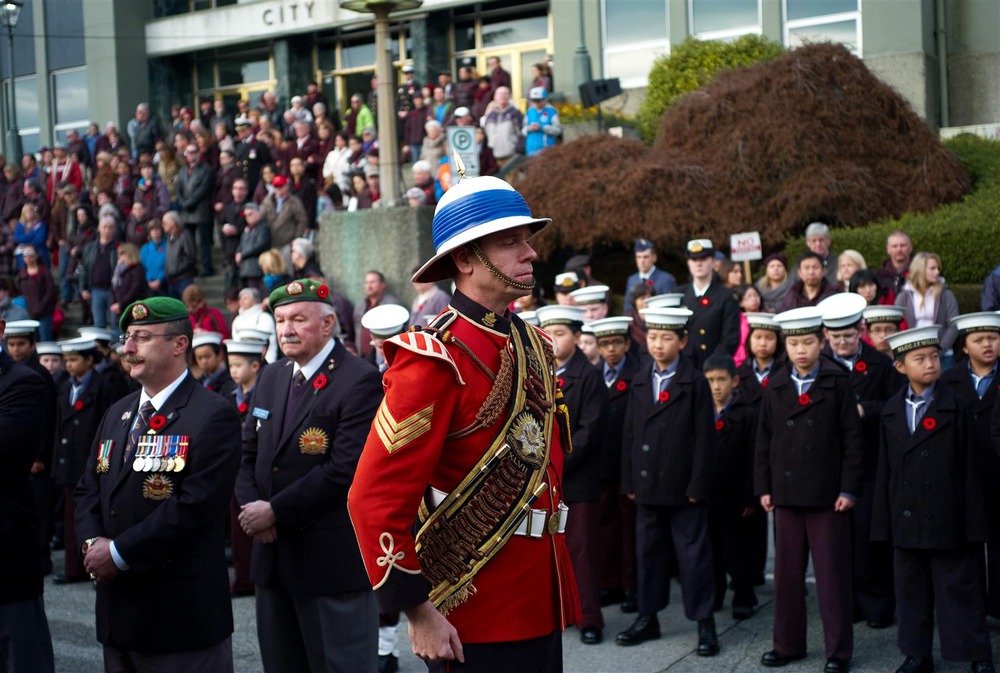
(143, 337)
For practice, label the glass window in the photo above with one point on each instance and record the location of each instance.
(326, 55)
(465, 36)
(237, 71)
(709, 16)
(358, 55)
(844, 32)
(632, 67)
(512, 31)
(206, 76)
(26, 92)
(69, 91)
(807, 9)
(634, 21)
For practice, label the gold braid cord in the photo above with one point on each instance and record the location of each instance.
(517, 285)
(475, 520)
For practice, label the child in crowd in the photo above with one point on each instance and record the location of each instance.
(209, 356)
(667, 468)
(808, 470)
(930, 504)
(882, 321)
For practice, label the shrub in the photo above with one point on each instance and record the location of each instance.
(691, 65)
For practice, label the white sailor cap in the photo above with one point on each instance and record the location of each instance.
(245, 347)
(21, 328)
(80, 345)
(242, 120)
(250, 334)
(982, 321)
(48, 348)
(800, 321)
(842, 310)
(206, 339)
(567, 282)
(669, 300)
(877, 314)
(559, 314)
(529, 317)
(672, 319)
(606, 327)
(97, 333)
(911, 339)
(386, 320)
(762, 321)
(592, 294)
(587, 329)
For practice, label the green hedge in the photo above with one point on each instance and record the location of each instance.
(966, 234)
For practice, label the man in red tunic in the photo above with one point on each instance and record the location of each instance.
(472, 401)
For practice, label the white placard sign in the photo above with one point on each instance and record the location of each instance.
(745, 247)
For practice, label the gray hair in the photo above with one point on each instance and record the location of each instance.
(171, 215)
(432, 124)
(304, 247)
(251, 292)
(818, 229)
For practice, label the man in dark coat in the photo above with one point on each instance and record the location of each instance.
(152, 506)
(301, 443)
(231, 224)
(251, 154)
(715, 324)
(25, 643)
(195, 185)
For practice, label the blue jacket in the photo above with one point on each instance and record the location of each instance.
(548, 119)
(154, 259)
(662, 282)
(991, 291)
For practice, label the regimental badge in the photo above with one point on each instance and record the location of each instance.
(104, 456)
(490, 319)
(294, 288)
(313, 442)
(139, 312)
(157, 487)
(527, 437)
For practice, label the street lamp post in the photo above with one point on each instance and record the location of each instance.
(388, 154)
(581, 58)
(9, 12)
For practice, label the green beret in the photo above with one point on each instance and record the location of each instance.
(152, 311)
(304, 289)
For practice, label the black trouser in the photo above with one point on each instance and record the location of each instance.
(537, 655)
(732, 543)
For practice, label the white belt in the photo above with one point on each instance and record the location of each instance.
(533, 525)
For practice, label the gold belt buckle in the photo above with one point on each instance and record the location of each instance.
(553, 523)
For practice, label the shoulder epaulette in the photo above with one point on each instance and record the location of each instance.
(427, 343)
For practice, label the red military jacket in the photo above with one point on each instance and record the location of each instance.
(433, 390)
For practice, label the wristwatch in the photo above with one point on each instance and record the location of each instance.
(87, 543)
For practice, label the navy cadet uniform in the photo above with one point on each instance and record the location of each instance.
(166, 527)
(874, 380)
(668, 450)
(616, 511)
(25, 643)
(80, 406)
(808, 455)
(930, 504)
(250, 155)
(315, 607)
(715, 324)
(218, 381)
(584, 394)
(121, 384)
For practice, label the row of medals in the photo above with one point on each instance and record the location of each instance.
(161, 464)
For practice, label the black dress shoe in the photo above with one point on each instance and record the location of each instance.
(917, 665)
(591, 636)
(387, 663)
(708, 640)
(630, 604)
(741, 612)
(774, 658)
(983, 667)
(835, 665)
(68, 579)
(240, 593)
(645, 627)
(611, 597)
(880, 623)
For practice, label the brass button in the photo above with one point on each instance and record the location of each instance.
(701, 331)
(553, 523)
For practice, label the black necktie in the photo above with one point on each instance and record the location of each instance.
(295, 392)
(140, 426)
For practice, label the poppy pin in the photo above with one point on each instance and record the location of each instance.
(929, 424)
(763, 383)
(319, 383)
(719, 424)
(664, 396)
(157, 422)
(621, 386)
(322, 292)
(78, 405)
(560, 382)
(861, 366)
(242, 408)
(804, 399)
(705, 301)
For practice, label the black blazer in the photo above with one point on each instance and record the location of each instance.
(929, 492)
(306, 477)
(614, 417)
(735, 434)
(668, 448)
(22, 394)
(585, 395)
(76, 428)
(47, 409)
(808, 448)
(173, 546)
(715, 326)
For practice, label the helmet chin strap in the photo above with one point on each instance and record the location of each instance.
(477, 251)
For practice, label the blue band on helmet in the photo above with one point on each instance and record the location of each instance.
(475, 209)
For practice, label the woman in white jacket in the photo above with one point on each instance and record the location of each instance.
(926, 301)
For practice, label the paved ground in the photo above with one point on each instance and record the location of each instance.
(71, 619)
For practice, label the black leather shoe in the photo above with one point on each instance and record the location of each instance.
(69, 579)
(879, 623)
(591, 636)
(611, 597)
(983, 667)
(835, 665)
(741, 612)
(387, 663)
(774, 658)
(645, 627)
(708, 641)
(917, 665)
(630, 604)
